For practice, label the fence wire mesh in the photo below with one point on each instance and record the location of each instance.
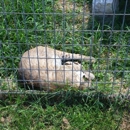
(82, 36)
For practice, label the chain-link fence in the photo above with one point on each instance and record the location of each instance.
(93, 39)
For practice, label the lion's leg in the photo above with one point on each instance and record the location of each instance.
(65, 56)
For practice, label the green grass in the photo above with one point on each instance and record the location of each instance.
(31, 23)
(26, 24)
(20, 114)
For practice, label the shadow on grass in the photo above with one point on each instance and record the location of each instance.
(70, 98)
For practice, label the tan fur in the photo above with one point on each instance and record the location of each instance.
(41, 67)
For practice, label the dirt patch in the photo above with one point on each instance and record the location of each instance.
(68, 6)
(5, 120)
(65, 124)
(81, 10)
(125, 125)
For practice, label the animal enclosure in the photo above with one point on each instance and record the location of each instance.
(94, 50)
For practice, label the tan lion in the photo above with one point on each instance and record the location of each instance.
(49, 69)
